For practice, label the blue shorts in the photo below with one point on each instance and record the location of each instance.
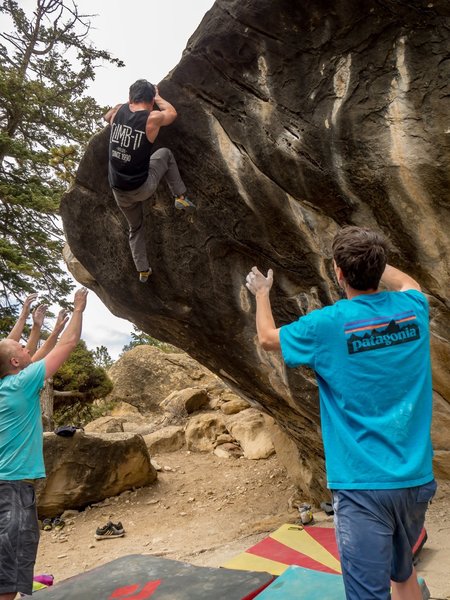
(376, 531)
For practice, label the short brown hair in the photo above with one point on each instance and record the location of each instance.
(142, 91)
(361, 253)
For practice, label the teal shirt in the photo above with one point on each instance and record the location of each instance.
(371, 356)
(21, 446)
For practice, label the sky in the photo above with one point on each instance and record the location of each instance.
(149, 39)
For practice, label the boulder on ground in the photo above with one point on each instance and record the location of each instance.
(88, 468)
(104, 425)
(312, 115)
(167, 439)
(202, 431)
(228, 450)
(187, 401)
(124, 409)
(144, 376)
(234, 406)
(250, 428)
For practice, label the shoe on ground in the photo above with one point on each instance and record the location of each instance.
(183, 203)
(110, 530)
(47, 525)
(58, 523)
(144, 275)
(119, 526)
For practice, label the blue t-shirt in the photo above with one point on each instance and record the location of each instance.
(21, 453)
(372, 360)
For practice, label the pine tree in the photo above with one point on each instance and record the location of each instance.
(102, 357)
(46, 65)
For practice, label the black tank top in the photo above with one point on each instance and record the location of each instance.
(129, 149)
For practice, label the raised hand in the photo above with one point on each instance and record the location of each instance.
(61, 320)
(38, 315)
(80, 299)
(257, 283)
(26, 308)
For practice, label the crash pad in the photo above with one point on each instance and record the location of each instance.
(313, 548)
(138, 577)
(297, 583)
(309, 547)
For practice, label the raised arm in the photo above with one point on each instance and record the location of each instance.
(260, 286)
(397, 281)
(159, 118)
(38, 320)
(50, 342)
(70, 337)
(17, 330)
(109, 116)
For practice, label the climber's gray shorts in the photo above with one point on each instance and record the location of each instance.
(19, 536)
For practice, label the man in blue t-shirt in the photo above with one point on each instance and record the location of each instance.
(21, 450)
(371, 357)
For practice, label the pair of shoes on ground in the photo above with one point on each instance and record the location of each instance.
(57, 523)
(110, 530)
(182, 202)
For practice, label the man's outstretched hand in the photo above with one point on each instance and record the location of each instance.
(257, 283)
(26, 308)
(79, 301)
(38, 315)
(61, 320)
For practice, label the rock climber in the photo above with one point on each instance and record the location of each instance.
(134, 171)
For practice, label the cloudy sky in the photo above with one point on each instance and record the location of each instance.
(149, 37)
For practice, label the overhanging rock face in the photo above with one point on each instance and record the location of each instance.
(294, 119)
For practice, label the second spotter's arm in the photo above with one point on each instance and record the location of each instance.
(50, 342)
(35, 333)
(17, 330)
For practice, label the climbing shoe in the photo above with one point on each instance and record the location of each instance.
(144, 275)
(183, 203)
(110, 530)
(58, 523)
(47, 525)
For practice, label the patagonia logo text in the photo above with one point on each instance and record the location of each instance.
(363, 336)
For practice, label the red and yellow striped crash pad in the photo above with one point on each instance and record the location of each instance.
(313, 548)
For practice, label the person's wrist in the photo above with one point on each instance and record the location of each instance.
(262, 293)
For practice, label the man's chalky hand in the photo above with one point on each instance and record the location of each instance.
(257, 283)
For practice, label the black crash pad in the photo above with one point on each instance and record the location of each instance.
(138, 577)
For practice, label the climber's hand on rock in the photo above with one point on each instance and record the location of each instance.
(257, 283)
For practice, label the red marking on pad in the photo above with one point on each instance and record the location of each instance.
(123, 593)
(276, 551)
(258, 591)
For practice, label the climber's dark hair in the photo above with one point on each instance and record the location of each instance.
(361, 253)
(142, 91)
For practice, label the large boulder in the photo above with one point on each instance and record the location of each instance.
(203, 430)
(88, 468)
(166, 439)
(145, 376)
(294, 118)
(252, 429)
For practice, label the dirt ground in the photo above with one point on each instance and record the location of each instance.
(204, 510)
